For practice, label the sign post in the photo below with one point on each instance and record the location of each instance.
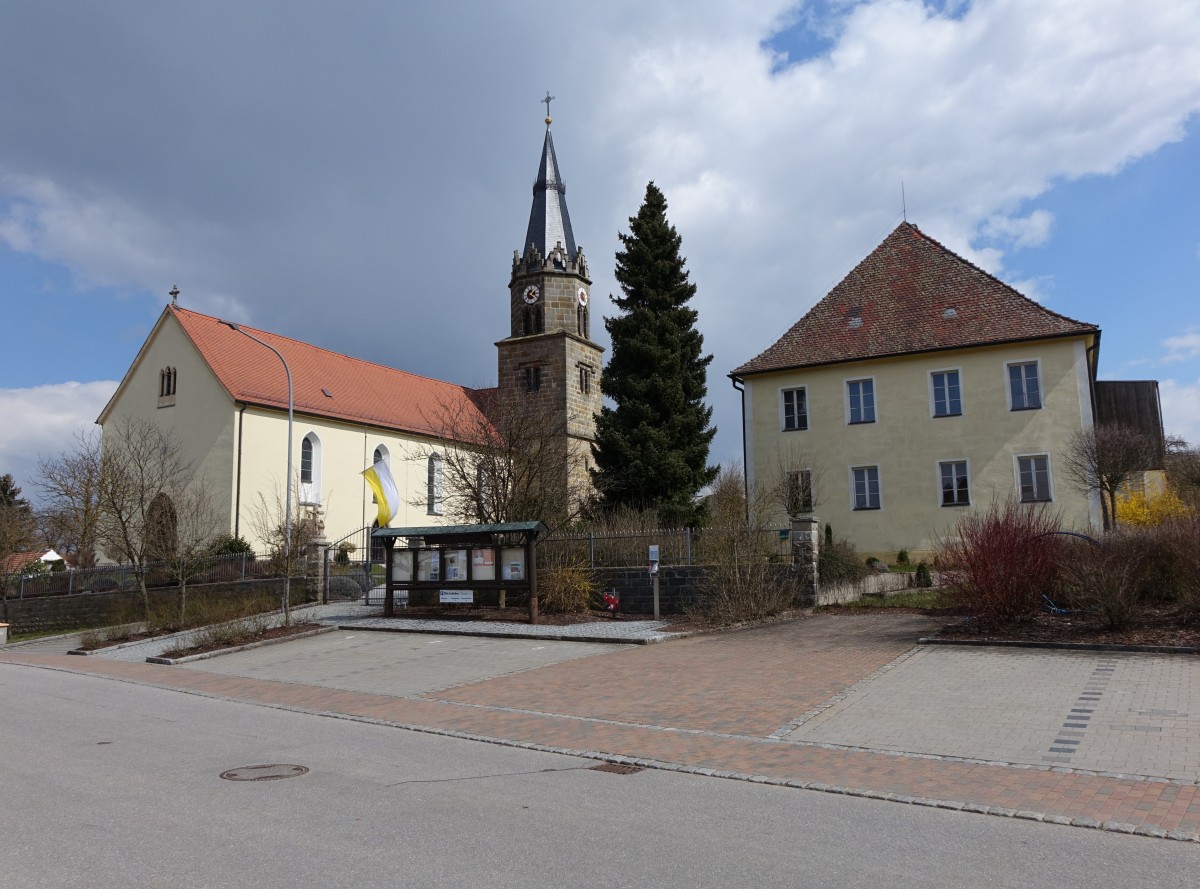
(654, 576)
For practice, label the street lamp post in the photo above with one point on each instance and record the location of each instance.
(287, 510)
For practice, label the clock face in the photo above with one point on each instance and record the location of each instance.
(531, 294)
(583, 296)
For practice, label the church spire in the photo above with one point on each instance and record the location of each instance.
(549, 222)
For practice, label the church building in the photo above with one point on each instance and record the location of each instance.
(222, 390)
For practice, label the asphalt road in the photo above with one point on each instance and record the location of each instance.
(113, 784)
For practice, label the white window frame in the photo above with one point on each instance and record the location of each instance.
(310, 491)
(783, 398)
(874, 401)
(1017, 458)
(854, 507)
(948, 461)
(1024, 362)
(933, 392)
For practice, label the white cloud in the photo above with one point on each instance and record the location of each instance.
(1181, 409)
(1026, 231)
(1183, 347)
(41, 421)
(339, 170)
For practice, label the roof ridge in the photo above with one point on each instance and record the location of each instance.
(280, 336)
(935, 242)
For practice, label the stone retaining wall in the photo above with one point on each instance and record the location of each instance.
(872, 584)
(48, 614)
(677, 587)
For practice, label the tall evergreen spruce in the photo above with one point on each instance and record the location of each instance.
(651, 449)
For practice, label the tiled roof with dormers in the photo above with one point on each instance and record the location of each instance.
(911, 294)
(327, 384)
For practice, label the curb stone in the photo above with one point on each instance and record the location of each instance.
(187, 659)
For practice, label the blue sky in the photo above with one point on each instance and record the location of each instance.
(359, 178)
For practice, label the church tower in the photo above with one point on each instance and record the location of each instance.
(548, 362)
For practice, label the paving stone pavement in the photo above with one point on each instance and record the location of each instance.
(846, 704)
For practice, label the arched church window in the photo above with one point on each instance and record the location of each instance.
(310, 469)
(582, 317)
(434, 485)
(534, 320)
(162, 527)
(166, 386)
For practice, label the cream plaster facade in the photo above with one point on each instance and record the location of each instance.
(240, 450)
(907, 443)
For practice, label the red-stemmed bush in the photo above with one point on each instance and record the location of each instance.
(997, 564)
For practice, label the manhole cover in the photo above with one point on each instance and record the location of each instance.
(264, 773)
(616, 768)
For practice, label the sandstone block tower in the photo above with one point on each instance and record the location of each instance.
(549, 368)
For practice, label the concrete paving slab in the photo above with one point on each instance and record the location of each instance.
(396, 664)
(1107, 712)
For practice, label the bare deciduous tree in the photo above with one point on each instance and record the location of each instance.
(144, 470)
(70, 487)
(267, 518)
(1183, 468)
(792, 482)
(184, 528)
(743, 581)
(1104, 459)
(508, 462)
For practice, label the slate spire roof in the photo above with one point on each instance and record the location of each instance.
(325, 383)
(911, 294)
(549, 222)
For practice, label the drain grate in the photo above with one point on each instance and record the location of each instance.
(615, 768)
(271, 772)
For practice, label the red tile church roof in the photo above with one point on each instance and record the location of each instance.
(326, 383)
(911, 294)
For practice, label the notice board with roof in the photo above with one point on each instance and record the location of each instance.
(461, 563)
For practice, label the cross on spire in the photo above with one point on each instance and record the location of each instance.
(546, 101)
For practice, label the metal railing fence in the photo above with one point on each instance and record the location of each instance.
(677, 546)
(105, 578)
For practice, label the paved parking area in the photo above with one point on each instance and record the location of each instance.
(849, 704)
(397, 664)
(1109, 712)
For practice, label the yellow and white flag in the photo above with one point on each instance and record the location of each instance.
(379, 477)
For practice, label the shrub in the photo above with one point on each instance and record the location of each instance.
(343, 553)
(345, 586)
(997, 563)
(228, 545)
(902, 557)
(1142, 510)
(565, 589)
(743, 582)
(838, 562)
(1179, 539)
(922, 578)
(1105, 578)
